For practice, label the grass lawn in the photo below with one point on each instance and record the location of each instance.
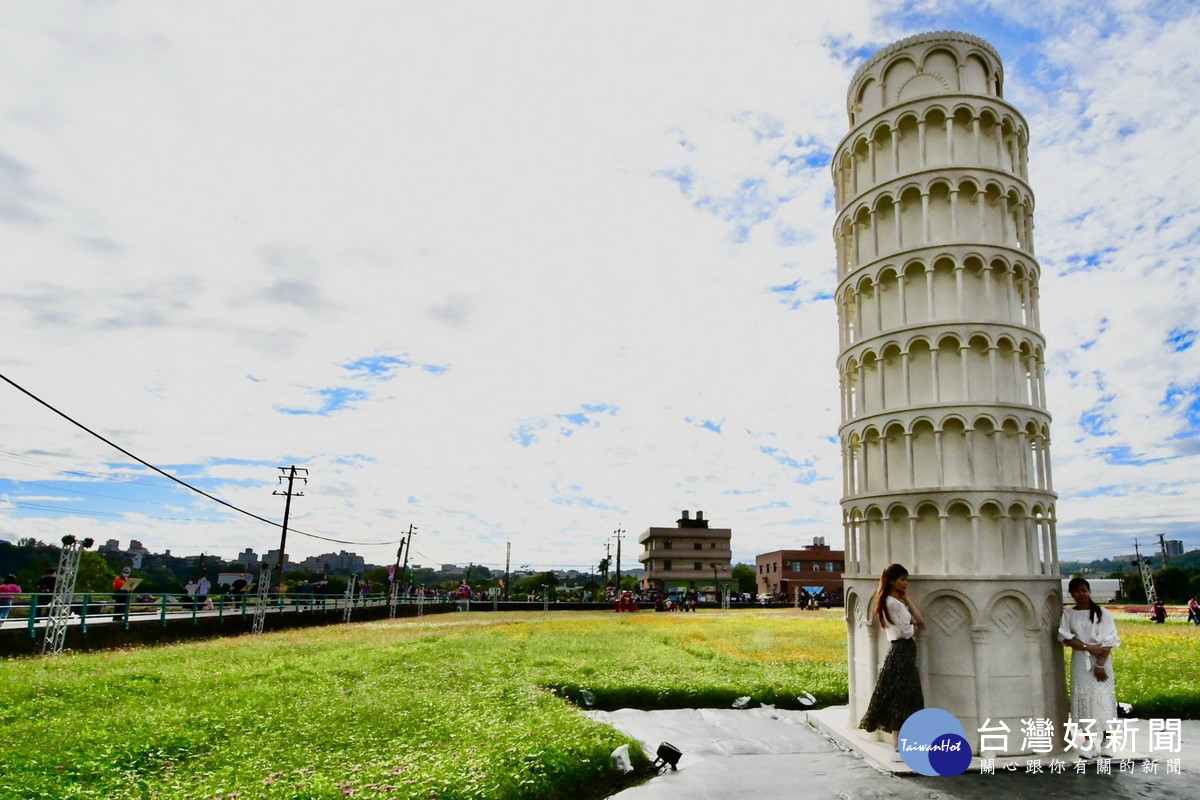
(451, 706)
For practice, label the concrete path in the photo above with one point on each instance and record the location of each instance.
(765, 754)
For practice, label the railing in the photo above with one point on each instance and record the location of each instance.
(31, 610)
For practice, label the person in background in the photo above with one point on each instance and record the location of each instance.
(189, 589)
(121, 596)
(44, 590)
(897, 692)
(202, 587)
(8, 592)
(1159, 614)
(1194, 611)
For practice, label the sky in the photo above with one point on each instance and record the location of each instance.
(536, 272)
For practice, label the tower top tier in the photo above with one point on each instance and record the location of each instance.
(925, 65)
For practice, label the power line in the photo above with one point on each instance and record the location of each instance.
(55, 488)
(122, 515)
(342, 541)
(115, 477)
(36, 507)
(168, 475)
(141, 461)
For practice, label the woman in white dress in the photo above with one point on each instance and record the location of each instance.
(1091, 633)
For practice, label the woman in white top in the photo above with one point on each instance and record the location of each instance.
(898, 689)
(1091, 632)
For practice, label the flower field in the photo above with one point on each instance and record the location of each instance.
(473, 705)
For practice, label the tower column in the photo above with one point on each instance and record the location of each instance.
(912, 541)
(908, 455)
(925, 214)
(929, 308)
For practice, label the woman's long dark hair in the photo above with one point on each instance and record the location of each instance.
(1094, 612)
(891, 573)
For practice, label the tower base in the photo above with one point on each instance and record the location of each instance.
(988, 654)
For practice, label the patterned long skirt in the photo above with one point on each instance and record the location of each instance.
(897, 690)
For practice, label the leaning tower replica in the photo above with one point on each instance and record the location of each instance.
(945, 433)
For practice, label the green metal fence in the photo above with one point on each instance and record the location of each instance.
(106, 608)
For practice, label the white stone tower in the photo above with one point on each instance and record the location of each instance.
(945, 433)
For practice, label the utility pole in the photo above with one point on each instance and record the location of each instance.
(395, 570)
(290, 474)
(407, 544)
(618, 533)
(395, 587)
(507, 561)
(607, 560)
(1162, 543)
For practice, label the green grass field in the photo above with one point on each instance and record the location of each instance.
(453, 706)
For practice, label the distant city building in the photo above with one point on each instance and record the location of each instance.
(1174, 547)
(814, 569)
(342, 563)
(110, 546)
(689, 556)
(136, 547)
(248, 557)
(449, 568)
(272, 558)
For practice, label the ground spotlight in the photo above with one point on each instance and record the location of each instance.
(668, 755)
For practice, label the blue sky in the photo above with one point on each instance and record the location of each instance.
(531, 272)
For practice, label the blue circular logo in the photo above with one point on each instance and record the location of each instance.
(933, 742)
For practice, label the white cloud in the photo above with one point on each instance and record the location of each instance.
(209, 215)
